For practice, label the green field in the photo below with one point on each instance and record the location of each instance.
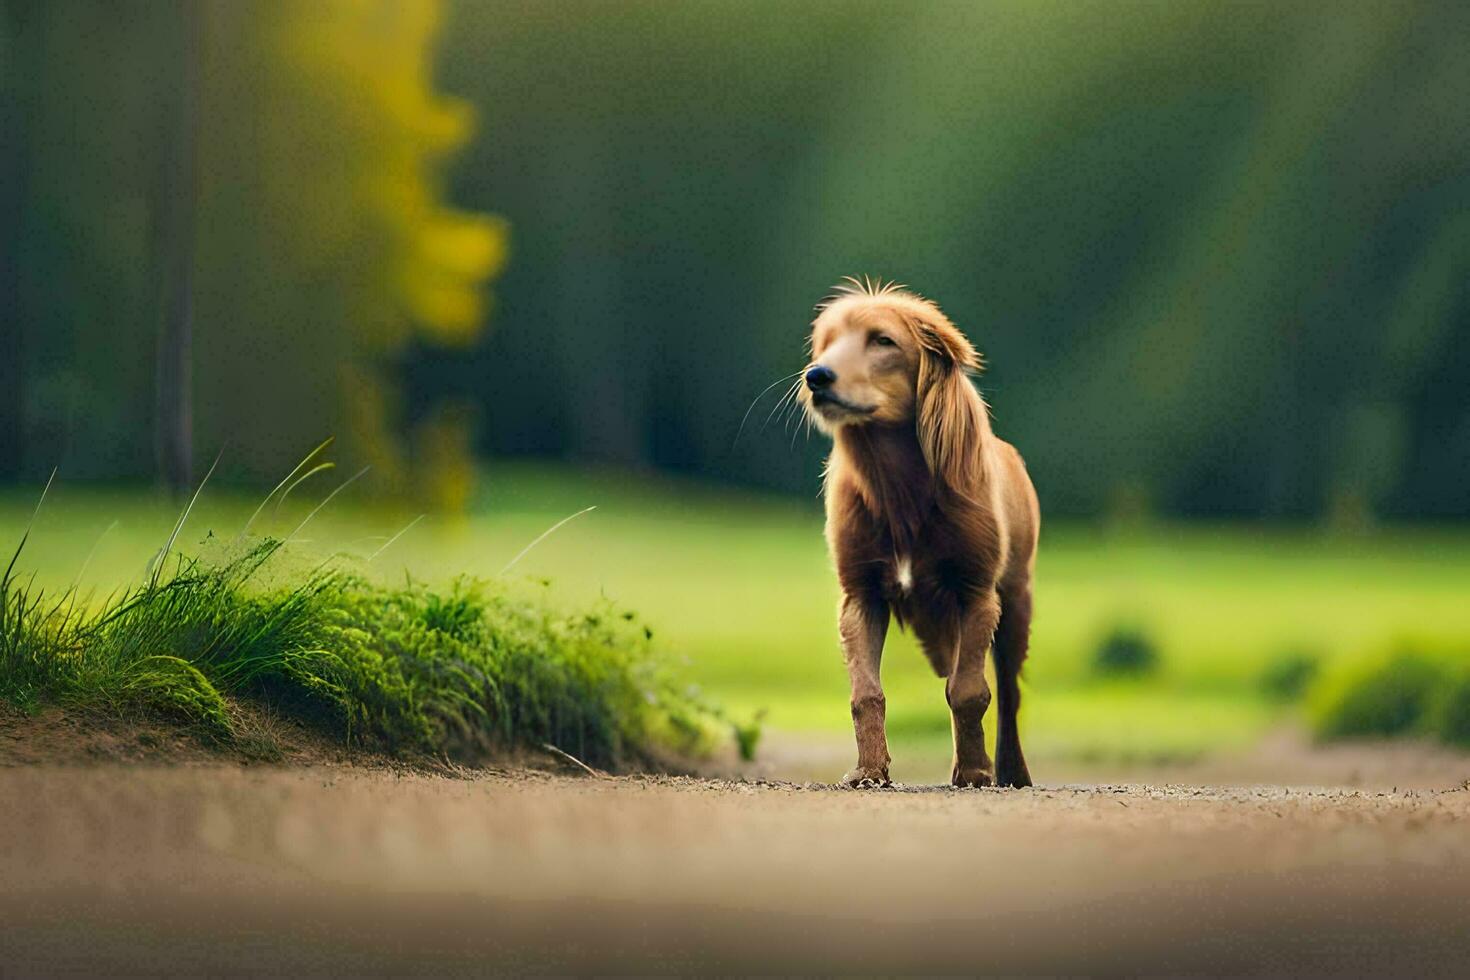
(737, 585)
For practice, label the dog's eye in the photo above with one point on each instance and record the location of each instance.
(883, 340)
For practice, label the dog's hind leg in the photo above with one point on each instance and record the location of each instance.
(1012, 637)
(968, 694)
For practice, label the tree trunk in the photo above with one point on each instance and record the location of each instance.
(173, 419)
(13, 167)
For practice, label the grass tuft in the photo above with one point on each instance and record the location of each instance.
(1448, 717)
(1408, 691)
(1288, 675)
(1125, 651)
(477, 668)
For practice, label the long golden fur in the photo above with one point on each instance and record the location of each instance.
(931, 519)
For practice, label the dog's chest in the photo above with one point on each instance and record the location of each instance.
(903, 574)
(937, 566)
(904, 579)
(908, 551)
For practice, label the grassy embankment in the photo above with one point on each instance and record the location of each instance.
(737, 586)
(471, 668)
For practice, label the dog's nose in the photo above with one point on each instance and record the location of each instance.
(819, 377)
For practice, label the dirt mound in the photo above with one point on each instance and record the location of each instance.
(59, 737)
(55, 735)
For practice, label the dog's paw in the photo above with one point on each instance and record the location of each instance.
(866, 777)
(1012, 777)
(962, 777)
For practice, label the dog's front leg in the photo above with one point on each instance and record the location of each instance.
(969, 695)
(863, 624)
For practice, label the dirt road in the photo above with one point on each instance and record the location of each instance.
(338, 870)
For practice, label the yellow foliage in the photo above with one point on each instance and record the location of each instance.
(325, 216)
(455, 251)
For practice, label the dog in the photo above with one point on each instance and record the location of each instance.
(931, 519)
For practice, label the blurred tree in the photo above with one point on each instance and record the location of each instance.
(1213, 249)
(324, 145)
(322, 248)
(1216, 251)
(12, 202)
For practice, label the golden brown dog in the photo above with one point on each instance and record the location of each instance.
(930, 518)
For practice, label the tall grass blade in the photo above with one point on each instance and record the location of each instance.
(90, 554)
(25, 535)
(319, 468)
(156, 565)
(389, 543)
(284, 480)
(326, 500)
(544, 535)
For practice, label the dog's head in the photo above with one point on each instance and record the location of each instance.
(884, 355)
(877, 352)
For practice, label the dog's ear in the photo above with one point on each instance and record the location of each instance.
(949, 413)
(941, 339)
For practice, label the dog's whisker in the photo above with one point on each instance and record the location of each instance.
(802, 427)
(792, 408)
(790, 393)
(746, 417)
(781, 403)
(805, 430)
(797, 416)
(792, 416)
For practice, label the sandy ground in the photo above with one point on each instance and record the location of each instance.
(1284, 757)
(348, 869)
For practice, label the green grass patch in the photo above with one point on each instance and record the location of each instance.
(1448, 717)
(477, 667)
(742, 597)
(1407, 691)
(1126, 651)
(1288, 675)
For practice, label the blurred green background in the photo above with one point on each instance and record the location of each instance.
(525, 258)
